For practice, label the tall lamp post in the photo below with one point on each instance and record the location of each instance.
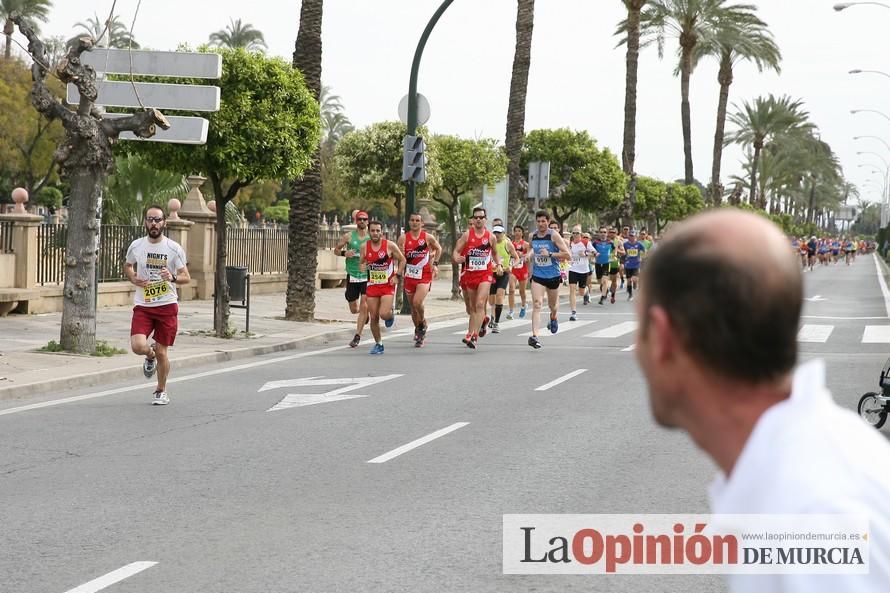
(881, 113)
(410, 189)
(841, 6)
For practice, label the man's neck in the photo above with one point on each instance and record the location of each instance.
(415, 234)
(722, 426)
(361, 232)
(154, 240)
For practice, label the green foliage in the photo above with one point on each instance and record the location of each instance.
(237, 35)
(267, 126)
(278, 213)
(468, 164)
(103, 348)
(369, 163)
(49, 196)
(582, 177)
(134, 184)
(27, 139)
(666, 202)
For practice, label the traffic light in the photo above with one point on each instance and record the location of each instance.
(414, 160)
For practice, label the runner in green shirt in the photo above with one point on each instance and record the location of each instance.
(350, 246)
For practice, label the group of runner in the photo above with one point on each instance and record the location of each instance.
(493, 267)
(828, 250)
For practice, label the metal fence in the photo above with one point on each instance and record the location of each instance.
(51, 240)
(260, 250)
(6, 237)
(113, 244)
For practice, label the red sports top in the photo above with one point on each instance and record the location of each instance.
(521, 248)
(417, 252)
(380, 264)
(478, 252)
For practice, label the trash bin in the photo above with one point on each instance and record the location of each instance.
(236, 278)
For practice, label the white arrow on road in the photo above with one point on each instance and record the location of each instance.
(816, 299)
(294, 400)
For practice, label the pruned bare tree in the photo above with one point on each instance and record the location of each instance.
(85, 159)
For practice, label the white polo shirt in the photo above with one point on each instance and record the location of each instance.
(809, 455)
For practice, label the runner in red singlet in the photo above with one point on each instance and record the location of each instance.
(378, 259)
(519, 273)
(422, 253)
(474, 250)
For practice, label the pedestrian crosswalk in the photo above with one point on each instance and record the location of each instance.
(621, 334)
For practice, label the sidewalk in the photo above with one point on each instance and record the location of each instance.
(24, 371)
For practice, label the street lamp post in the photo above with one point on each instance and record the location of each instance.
(881, 113)
(842, 5)
(858, 71)
(410, 189)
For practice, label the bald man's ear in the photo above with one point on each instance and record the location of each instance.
(663, 341)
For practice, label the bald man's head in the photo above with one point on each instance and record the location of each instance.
(733, 291)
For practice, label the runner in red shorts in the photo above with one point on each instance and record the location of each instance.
(422, 253)
(155, 264)
(474, 250)
(379, 260)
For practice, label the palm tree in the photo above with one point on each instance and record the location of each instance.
(632, 60)
(525, 18)
(762, 120)
(740, 36)
(692, 22)
(117, 34)
(237, 35)
(305, 193)
(334, 122)
(31, 10)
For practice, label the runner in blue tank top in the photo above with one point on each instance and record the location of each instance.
(547, 249)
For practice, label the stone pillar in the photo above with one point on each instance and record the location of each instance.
(201, 249)
(24, 245)
(178, 230)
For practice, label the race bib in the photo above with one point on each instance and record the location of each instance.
(379, 276)
(633, 252)
(519, 263)
(414, 272)
(477, 264)
(155, 291)
(356, 279)
(578, 259)
(543, 260)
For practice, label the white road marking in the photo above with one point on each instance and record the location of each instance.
(501, 326)
(814, 333)
(615, 331)
(562, 379)
(882, 283)
(141, 387)
(823, 317)
(431, 327)
(630, 348)
(564, 327)
(417, 443)
(112, 577)
(294, 400)
(876, 334)
(816, 299)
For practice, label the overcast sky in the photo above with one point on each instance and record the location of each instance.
(577, 73)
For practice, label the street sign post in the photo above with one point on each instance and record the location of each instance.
(179, 97)
(538, 181)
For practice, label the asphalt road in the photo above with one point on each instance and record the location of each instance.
(226, 494)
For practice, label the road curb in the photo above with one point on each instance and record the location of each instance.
(126, 374)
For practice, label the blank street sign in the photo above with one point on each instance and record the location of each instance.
(181, 97)
(183, 130)
(155, 63)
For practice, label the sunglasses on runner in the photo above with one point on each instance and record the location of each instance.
(154, 219)
(362, 219)
(478, 217)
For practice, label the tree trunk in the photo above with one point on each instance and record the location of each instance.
(685, 115)
(811, 209)
(632, 60)
(305, 196)
(516, 108)
(755, 162)
(78, 332)
(220, 285)
(724, 77)
(8, 30)
(85, 158)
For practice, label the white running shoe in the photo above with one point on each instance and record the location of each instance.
(149, 366)
(160, 398)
